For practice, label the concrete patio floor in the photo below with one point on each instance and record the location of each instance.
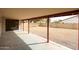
(19, 40)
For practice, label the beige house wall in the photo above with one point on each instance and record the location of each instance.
(2, 24)
(23, 26)
(20, 25)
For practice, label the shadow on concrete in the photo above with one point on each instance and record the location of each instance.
(10, 41)
(37, 43)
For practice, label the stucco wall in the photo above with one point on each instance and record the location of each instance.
(20, 25)
(3, 25)
(0, 26)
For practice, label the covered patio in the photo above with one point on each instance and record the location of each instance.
(21, 39)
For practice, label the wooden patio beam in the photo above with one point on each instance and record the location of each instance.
(23, 25)
(47, 30)
(74, 12)
(28, 26)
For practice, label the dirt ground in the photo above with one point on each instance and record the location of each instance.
(66, 37)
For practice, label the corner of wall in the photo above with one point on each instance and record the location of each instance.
(2, 25)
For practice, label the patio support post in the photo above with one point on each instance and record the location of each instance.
(48, 30)
(28, 26)
(23, 25)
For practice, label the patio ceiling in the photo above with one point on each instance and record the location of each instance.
(25, 13)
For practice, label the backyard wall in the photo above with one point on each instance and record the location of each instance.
(65, 26)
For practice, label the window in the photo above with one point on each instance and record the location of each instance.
(39, 27)
(64, 30)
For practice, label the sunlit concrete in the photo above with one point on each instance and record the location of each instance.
(19, 40)
(38, 43)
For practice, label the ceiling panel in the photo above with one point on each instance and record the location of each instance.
(24, 13)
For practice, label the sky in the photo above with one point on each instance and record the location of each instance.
(74, 20)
